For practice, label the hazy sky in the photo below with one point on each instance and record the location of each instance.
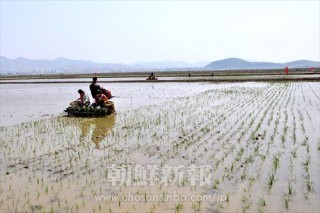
(132, 31)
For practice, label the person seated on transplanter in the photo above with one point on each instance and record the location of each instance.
(101, 100)
(95, 89)
(152, 76)
(83, 100)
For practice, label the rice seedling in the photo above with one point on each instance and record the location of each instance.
(306, 165)
(304, 142)
(283, 138)
(294, 153)
(178, 207)
(251, 181)
(271, 180)
(286, 201)
(196, 206)
(262, 202)
(243, 175)
(276, 161)
(290, 188)
(216, 184)
(309, 184)
(245, 208)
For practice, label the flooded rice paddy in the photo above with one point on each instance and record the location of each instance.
(247, 147)
(27, 102)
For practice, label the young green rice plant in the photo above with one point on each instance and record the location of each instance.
(294, 153)
(246, 205)
(276, 161)
(271, 180)
(294, 137)
(196, 206)
(251, 181)
(178, 207)
(306, 165)
(216, 184)
(309, 184)
(304, 142)
(243, 175)
(262, 202)
(283, 139)
(232, 166)
(47, 189)
(290, 188)
(286, 201)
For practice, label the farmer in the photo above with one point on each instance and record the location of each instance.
(101, 99)
(83, 100)
(96, 89)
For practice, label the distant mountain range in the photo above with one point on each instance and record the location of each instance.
(24, 65)
(237, 63)
(64, 65)
(169, 64)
